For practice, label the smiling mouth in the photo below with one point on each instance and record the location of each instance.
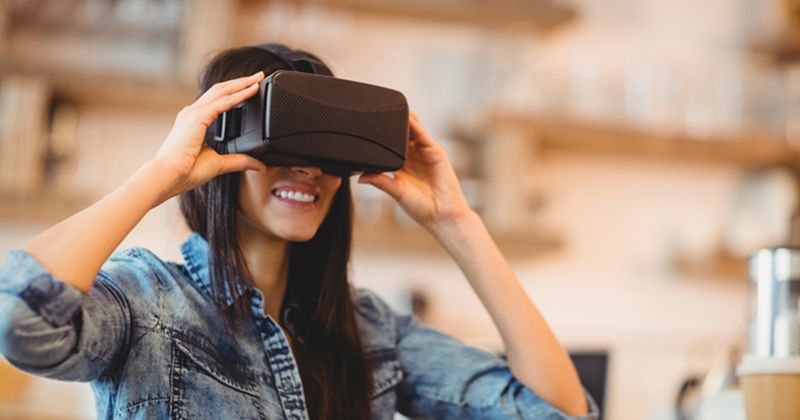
(297, 196)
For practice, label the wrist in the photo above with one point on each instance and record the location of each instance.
(456, 225)
(160, 179)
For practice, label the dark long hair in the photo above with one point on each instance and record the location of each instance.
(334, 369)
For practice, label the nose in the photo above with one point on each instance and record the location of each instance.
(308, 171)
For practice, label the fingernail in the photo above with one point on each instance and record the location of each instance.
(260, 71)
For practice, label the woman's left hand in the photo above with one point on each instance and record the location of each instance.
(426, 187)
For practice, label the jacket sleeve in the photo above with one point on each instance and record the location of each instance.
(49, 328)
(445, 378)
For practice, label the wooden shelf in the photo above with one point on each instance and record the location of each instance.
(539, 15)
(721, 265)
(390, 237)
(41, 207)
(780, 50)
(105, 18)
(560, 134)
(168, 93)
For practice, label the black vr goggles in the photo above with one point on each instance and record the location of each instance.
(307, 117)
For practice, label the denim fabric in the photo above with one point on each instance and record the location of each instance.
(151, 342)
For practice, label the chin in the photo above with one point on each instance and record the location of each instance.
(297, 235)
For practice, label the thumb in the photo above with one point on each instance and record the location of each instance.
(383, 182)
(240, 162)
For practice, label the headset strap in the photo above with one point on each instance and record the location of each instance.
(297, 60)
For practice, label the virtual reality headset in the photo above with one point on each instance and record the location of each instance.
(307, 117)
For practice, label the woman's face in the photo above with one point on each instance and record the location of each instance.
(286, 202)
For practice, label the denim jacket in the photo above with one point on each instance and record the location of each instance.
(149, 339)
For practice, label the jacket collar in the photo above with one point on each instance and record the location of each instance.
(195, 254)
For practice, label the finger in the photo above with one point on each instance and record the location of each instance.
(209, 112)
(229, 86)
(240, 162)
(225, 88)
(418, 135)
(225, 103)
(384, 183)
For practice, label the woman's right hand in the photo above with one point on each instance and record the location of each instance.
(184, 156)
(75, 249)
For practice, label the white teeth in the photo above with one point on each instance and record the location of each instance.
(295, 195)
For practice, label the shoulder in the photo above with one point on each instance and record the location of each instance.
(370, 305)
(153, 287)
(133, 264)
(378, 321)
(139, 271)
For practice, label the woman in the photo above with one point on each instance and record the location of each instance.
(260, 320)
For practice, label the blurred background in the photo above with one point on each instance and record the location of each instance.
(627, 155)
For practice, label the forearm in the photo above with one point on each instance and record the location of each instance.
(74, 250)
(535, 356)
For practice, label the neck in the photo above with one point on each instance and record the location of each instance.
(268, 261)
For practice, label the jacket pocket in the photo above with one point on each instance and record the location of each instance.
(386, 370)
(210, 381)
(223, 369)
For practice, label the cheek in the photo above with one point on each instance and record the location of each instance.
(334, 189)
(252, 191)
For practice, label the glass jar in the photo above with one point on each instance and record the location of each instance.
(774, 321)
